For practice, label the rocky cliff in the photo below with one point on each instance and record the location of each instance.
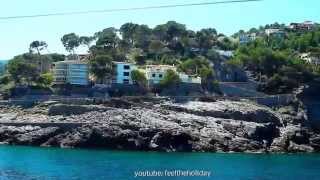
(217, 126)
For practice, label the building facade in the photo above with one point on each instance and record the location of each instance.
(305, 26)
(156, 73)
(246, 38)
(275, 32)
(227, 54)
(312, 58)
(123, 72)
(71, 72)
(189, 79)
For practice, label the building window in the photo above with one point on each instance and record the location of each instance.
(126, 67)
(160, 75)
(153, 75)
(126, 74)
(126, 81)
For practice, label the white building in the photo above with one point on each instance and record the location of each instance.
(123, 72)
(311, 58)
(227, 54)
(156, 73)
(189, 79)
(271, 31)
(72, 72)
(274, 31)
(246, 38)
(305, 26)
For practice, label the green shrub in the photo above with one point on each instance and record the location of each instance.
(139, 78)
(45, 80)
(170, 79)
(5, 79)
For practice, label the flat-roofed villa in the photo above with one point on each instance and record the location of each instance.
(305, 26)
(246, 38)
(156, 73)
(312, 58)
(192, 79)
(71, 72)
(123, 72)
(275, 32)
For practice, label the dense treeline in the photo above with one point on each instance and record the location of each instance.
(171, 43)
(273, 60)
(163, 44)
(29, 69)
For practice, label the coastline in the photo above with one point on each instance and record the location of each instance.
(103, 150)
(193, 126)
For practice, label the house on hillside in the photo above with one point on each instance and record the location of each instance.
(226, 54)
(275, 32)
(156, 73)
(189, 79)
(305, 26)
(312, 58)
(246, 38)
(71, 72)
(123, 73)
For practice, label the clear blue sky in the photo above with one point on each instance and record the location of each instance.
(16, 35)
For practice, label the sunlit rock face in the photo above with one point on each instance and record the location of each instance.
(217, 126)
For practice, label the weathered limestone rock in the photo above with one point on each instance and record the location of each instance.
(296, 148)
(217, 126)
(63, 109)
(37, 137)
(315, 142)
(8, 117)
(245, 111)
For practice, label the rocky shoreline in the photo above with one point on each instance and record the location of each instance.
(191, 126)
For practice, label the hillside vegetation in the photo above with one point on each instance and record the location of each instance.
(274, 61)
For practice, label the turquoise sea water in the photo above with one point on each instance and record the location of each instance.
(50, 163)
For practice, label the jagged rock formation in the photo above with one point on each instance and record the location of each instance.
(222, 125)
